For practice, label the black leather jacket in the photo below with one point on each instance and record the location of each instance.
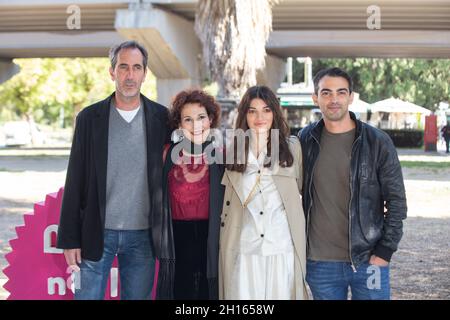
(376, 184)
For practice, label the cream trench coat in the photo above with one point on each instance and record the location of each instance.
(289, 184)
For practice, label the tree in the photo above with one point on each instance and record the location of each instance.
(424, 82)
(234, 35)
(44, 87)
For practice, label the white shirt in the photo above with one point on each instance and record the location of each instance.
(128, 115)
(265, 229)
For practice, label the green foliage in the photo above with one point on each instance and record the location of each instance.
(45, 87)
(420, 81)
(425, 164)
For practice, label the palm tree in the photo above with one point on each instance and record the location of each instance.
(234, 34)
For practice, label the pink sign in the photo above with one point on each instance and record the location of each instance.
(37, 270)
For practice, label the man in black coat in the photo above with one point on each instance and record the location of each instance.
(113, 184)
(445, 131)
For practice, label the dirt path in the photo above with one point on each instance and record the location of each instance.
(421, 266)
(419, 270)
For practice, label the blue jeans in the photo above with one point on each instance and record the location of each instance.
(331, 280)
(136, 267)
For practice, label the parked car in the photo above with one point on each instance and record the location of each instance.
(21, 133)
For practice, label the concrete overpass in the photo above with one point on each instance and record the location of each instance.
(320, 28)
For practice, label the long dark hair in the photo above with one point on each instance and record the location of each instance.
(279, 122)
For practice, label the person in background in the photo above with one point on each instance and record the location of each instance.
(445, 131)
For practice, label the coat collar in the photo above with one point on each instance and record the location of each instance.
(104, 106)
(316, 131)
(278, 172)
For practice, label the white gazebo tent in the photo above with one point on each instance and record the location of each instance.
(394, 113)
(359, 107)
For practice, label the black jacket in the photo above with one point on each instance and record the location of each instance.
(163, 232)
(445, 132)
(82, 220)
(376, 183)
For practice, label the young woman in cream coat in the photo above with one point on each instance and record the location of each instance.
(262, 237)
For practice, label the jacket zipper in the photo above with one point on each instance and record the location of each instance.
(310, 194)
(349, 209)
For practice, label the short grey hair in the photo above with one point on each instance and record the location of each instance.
(114, 52)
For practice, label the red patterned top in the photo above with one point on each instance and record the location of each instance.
(189, 190)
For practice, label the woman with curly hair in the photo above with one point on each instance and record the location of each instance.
(192, 198)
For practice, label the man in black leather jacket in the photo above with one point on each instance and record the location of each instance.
(353, 197)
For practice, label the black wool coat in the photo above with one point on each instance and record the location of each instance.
(82, 220)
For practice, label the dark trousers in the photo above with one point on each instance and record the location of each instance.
(447, 142)
(190, 264)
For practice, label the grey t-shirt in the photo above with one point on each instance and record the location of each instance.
(328, 238)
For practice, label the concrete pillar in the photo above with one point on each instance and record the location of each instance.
(166, 89)
(273, 74)
(7, 69)
(173, 47)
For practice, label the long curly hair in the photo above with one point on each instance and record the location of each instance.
(193, 96)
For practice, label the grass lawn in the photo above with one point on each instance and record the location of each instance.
(425, 164)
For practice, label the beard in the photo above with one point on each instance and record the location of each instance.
(335, 114)
(128, 92)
